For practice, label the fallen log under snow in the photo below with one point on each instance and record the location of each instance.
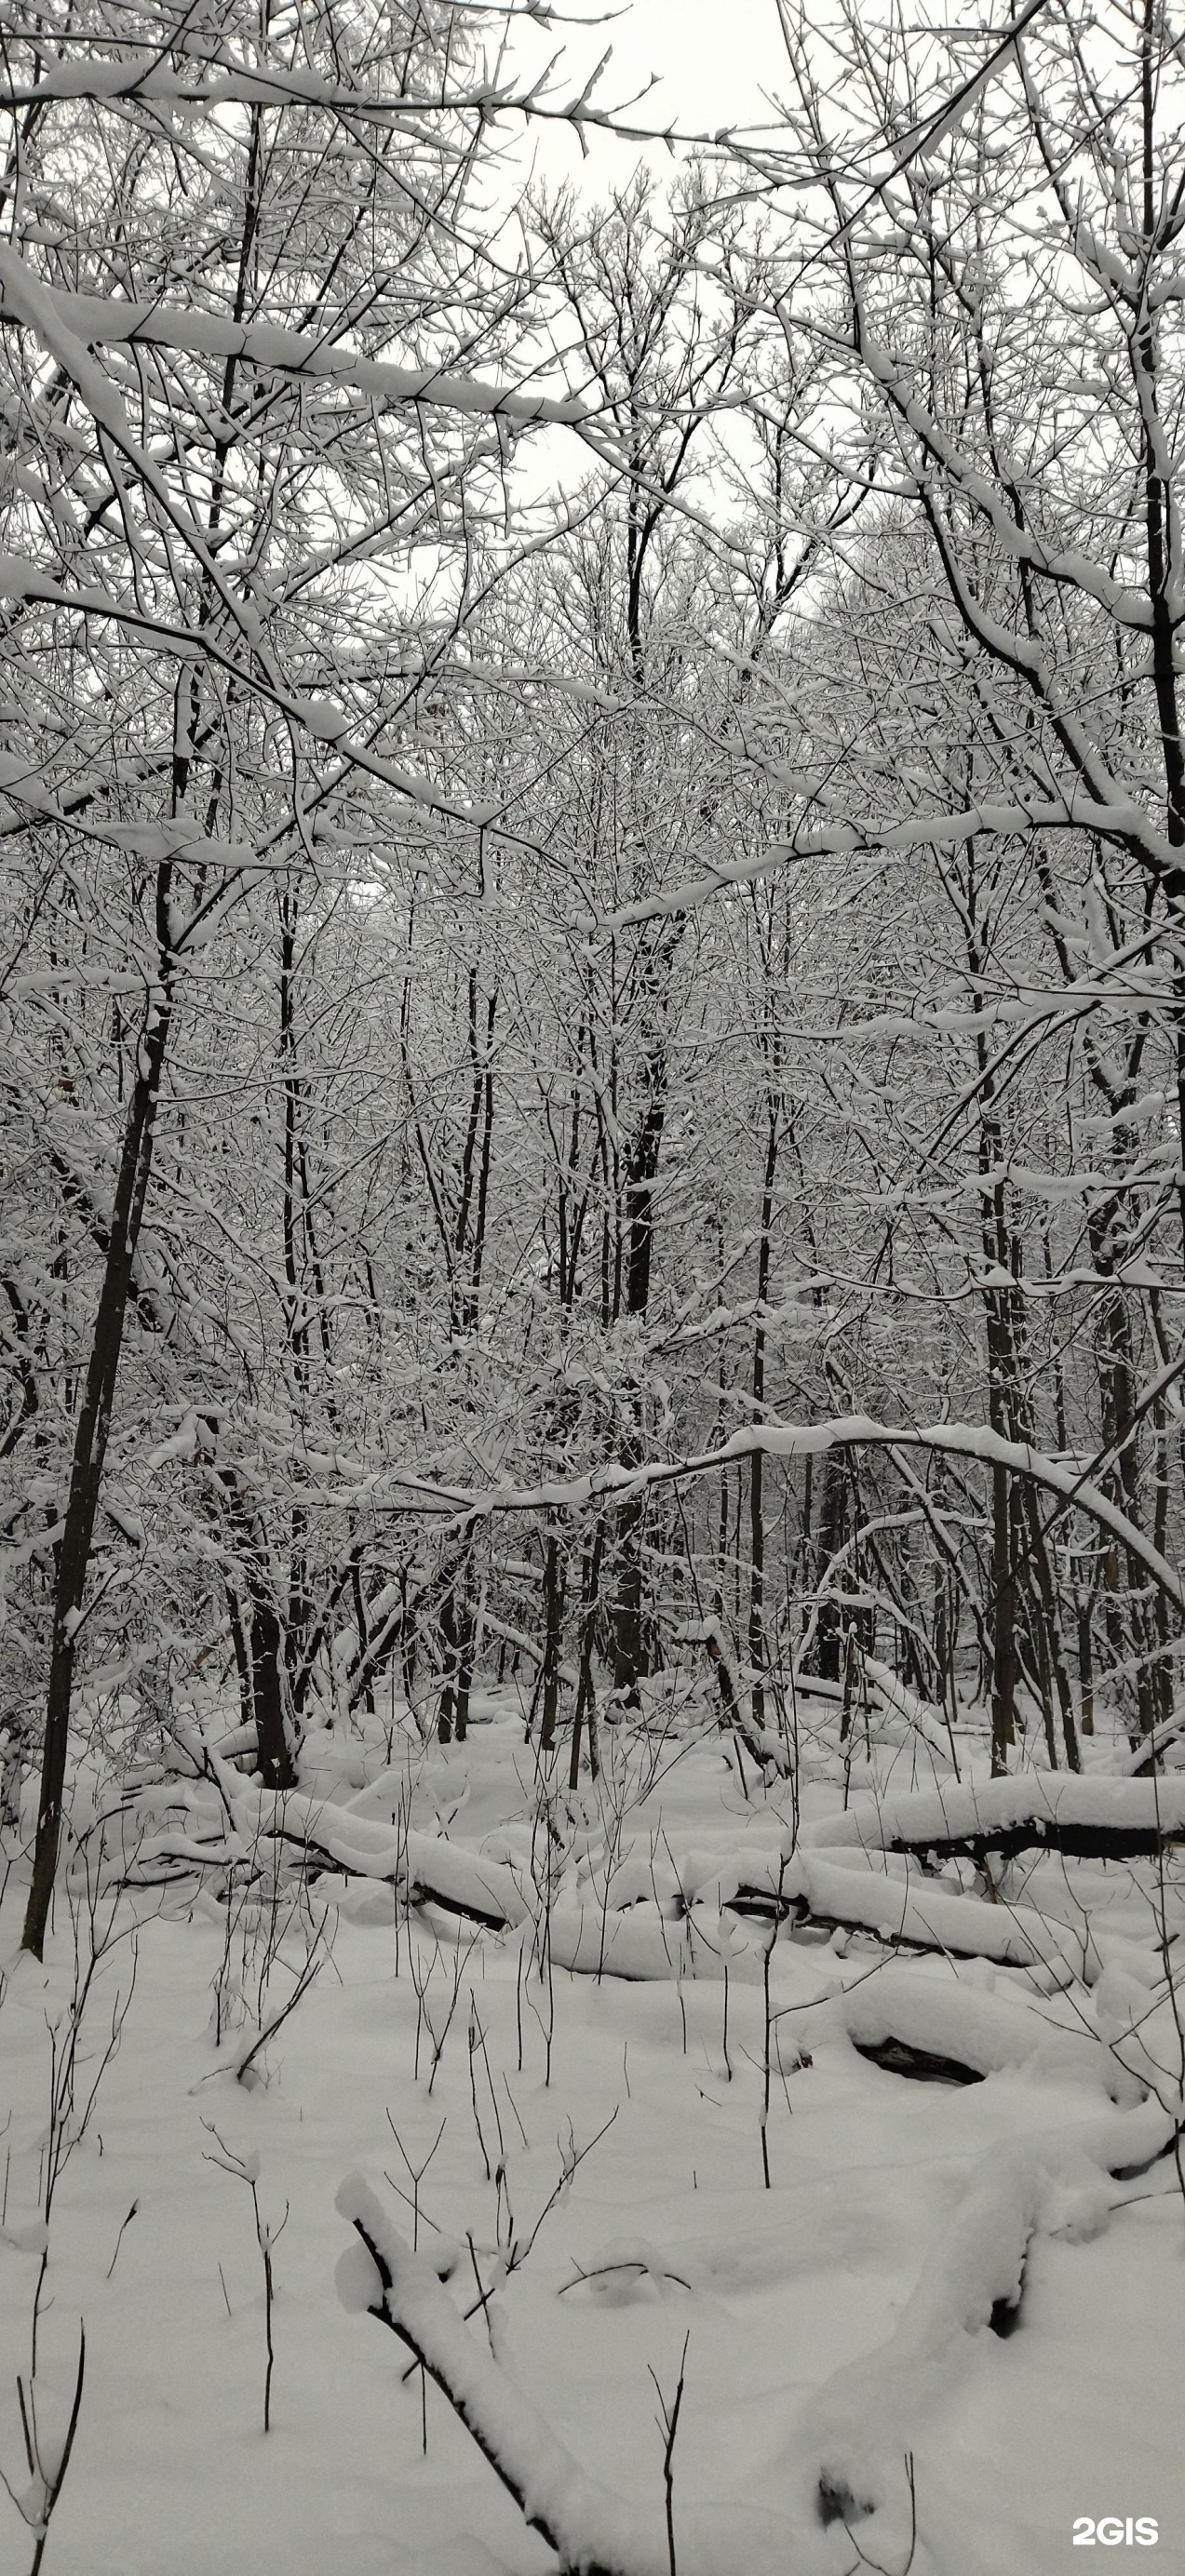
(912, 1912)
(847, 2459)
(594, 2530)
(852, 2439)
(675, 1911)
(944, 2019)
(1085, 1815)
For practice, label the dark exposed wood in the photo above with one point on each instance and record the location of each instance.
(1045, 1833)
(900, 2057)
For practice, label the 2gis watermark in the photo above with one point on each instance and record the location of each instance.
(1116, 2531)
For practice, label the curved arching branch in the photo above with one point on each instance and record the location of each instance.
(794, 1440)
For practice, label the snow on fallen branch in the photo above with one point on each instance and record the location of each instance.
(672, 1913)
(852, 2438)
(847, 2457)
(944, 2018)
(917, 1912)
(639, 1942)
(593, 2531)
(894, 1695)
(1111, 1818)
(688, 1929)
(420, 1865)
(837, 1888)
(1149, 1750)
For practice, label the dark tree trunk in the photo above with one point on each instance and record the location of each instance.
(275, 1757)
(259, 1644)
(833, 1520)
(446, 1707)
(1003, 1617)
(629, 1637)
(757, 1461)
(1053, 1636)
(94, 1420)
(242, 1659)
(1084, 1603)
(585, 1712)
(365, 1669)
(553, 1618)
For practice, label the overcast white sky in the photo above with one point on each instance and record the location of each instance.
(712, 55)
(712, 58)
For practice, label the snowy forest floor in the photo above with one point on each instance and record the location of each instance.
(837, 2323)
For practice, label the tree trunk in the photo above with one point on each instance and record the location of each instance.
(629, 1641)
(1055, 1664)
(553, 1619)
(833, 1521)
(446, 1708)
(267, 1689)
(1003, 1614)
(1084, 1603)
(585, 1712)
(94, 1420)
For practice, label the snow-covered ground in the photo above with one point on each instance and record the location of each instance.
(591, 2149)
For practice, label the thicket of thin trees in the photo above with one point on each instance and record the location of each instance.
(593, 959)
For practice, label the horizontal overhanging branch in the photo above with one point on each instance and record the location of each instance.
(218, 82)
(221, 83)
(1117, 818)
(613, 1484)
(112, 321)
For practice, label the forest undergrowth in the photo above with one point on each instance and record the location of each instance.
(746, 2163)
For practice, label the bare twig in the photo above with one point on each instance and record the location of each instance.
(668, 2425)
